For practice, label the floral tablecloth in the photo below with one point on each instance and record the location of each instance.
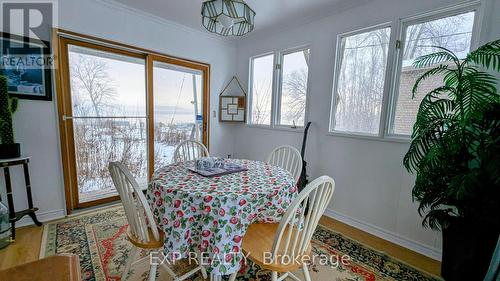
(211, 214)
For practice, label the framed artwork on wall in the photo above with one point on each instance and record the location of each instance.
(27, 64)
(232, 106)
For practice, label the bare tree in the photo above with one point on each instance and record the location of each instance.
(261, 103)
(295, 85)
(443, 32)
(363, 63)
(90, 76)
(101, 140)
(361, 81)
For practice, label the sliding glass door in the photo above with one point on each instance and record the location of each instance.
(131, 107)
(178, 110)
(108, 96)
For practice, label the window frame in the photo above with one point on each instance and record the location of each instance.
(403, 24)
(250, 89)
(276, 94)
(336, 74)
(279, 86)
(393, 68)
(62, 38)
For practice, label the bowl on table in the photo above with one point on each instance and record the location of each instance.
(206, 163)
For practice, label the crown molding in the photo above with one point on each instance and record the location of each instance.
(154, 18)
(331, 10)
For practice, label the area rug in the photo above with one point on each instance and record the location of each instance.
(98, 238)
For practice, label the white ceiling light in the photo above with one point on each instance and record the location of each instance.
(227, 17)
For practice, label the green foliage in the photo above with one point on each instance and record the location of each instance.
(8, 107)
(455, 143)
(487, 55)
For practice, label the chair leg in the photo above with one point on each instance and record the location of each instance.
(203, 269)
(152, 272)
(214, 277)
(169, 271)
(130, 259)
(204, 273)
(306, 272)
(232, 277)
(274, 276)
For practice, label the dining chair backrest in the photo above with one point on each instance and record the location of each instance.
(190, 150)
(134, 202)
(288, 158)
(297, 226)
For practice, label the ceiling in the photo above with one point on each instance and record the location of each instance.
(269, 13)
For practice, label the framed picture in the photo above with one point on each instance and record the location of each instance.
(27, 64)
(232, 107)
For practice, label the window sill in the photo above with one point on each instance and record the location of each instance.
(277, 128)
(387, 138)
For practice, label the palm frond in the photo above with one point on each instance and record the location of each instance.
(456, 139)
(438, 57)
(432, 107)
(452, 78)
(431, 72)
(435, 219)
(424, 138)
(434, 116)
(487, 55)
(478, 89)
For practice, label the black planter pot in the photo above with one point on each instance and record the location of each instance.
(10, 150)
(468, 247)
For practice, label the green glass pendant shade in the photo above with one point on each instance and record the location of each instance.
(227, 17)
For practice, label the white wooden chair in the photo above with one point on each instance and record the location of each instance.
(288, 158)
(281, 247)
(190, 150)
(139, 233)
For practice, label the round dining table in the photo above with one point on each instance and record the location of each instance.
(210, 215)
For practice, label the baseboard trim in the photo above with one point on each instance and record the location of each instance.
(415, 246)
(42, 216)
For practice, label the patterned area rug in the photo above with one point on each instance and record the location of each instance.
(98, 237)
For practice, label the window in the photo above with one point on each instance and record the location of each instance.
(261, 89)
(108, 102)
(294, 78)
(366, 100)
(451, 32)
(283, 105)
(130, 106)
(178, 102)
(360, 79)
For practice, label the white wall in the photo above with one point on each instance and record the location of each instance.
(373, 189)
(36, 121)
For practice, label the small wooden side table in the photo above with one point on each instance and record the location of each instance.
(13, 215)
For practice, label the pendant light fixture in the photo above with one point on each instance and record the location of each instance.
(227, 17)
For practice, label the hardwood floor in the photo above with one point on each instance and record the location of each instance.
(401, 253)
(27, 247)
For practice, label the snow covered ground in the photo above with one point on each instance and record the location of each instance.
(124, 142)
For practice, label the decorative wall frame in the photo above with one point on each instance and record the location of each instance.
(27, 63)
(232, 107)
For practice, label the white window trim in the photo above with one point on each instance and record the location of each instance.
(277, 91)
(397, 58)
(391, 82)
(250, 88)
(336, 73)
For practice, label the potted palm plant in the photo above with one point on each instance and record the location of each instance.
(8, 106)
(455, 153)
